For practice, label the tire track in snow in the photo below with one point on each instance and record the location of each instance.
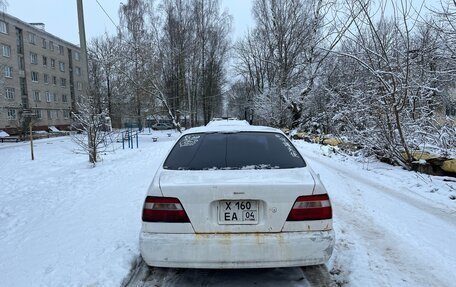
(145, 276)
(389, 253)
(394, 259)
(440, 213)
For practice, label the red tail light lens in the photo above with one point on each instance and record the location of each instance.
(313, 207)
(163, 209)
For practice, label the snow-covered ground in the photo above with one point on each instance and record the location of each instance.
(64, 223)
(393, 227)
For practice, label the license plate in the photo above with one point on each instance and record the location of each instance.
(238, 212)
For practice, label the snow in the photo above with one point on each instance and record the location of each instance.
(65, 223)
(3, 134)
(227, 122)
(54, 129)
(393, 227)
(230, 127)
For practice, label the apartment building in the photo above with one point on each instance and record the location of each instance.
(42, 75)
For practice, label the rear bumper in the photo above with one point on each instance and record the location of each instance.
(245, 250)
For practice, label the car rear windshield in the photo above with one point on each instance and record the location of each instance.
(242, 150)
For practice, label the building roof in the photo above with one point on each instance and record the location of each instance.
(36, 30)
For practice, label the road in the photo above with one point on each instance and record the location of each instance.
(145, 276)
(387, 235)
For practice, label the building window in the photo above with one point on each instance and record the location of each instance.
(11, 114)
(6, 51)
(38, 114)
(8, 72)
(46, 78)
(23, 85)
(78, 71)
(9, 93)
(31, 38)
(3, 27)
(34, 76)
(66, 114)
(51, 45)
(33, 58)
(24, 103)
(77, 56)
(19, 41)
(63, 82)
(48, 97)
(44, 44)
(49, 114)
(64, 98)
(56, 114)
(79, 84)
(61, 50)
(36, 96)
(62, 66)
(52, 63)
(21, 63)
(45, 61)
(54, 80)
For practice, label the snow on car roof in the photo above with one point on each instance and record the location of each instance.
(231, 128)
(227, 122)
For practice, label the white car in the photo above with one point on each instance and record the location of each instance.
(235, 196)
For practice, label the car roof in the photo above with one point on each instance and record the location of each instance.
(234, 127)
(227, 122)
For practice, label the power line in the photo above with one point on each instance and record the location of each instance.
(106, 13)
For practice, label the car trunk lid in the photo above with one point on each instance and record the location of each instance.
(237, 201)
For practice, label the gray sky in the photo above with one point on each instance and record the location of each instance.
(60, 16)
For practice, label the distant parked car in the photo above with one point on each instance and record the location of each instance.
(235, 196)
(162, 126)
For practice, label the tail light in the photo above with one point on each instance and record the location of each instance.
(313, 207)
(163, 209)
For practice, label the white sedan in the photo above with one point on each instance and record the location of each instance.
(235, 196)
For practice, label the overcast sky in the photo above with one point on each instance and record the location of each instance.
(60, 16)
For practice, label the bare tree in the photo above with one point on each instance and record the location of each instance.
(134, 34)
(3, 5)
(173, 60)
(283, 56)
(193, 49)
(104, 59)
(178, 42)
(91, 133)
(391, 96)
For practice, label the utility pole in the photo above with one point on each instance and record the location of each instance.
(84, 58)
(31, 138)
(28, 115)
(82, 39)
